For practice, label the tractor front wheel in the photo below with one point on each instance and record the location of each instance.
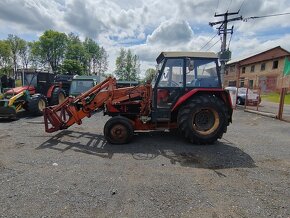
(118, 130)
(36, 104)
(57, 96)
(203, 119)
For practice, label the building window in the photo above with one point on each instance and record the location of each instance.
(275, 64)
(251, 84)
(263, 66)
(252, 68)
(242, 81)
(233, 83)
(243, 69)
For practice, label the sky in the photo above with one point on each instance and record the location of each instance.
(148, 27)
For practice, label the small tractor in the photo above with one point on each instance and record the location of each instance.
(37, 92)
(186, 95)
(81, 84)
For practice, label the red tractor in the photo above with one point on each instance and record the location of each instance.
(186, 94)
(38, 91)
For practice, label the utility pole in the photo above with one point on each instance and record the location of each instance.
(225, 54)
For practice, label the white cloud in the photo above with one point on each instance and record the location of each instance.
(150, 26)
(170, 33)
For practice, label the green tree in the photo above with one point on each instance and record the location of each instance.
(97, 57)
(16, 45)
(101, 62)
(121, 65)
(51, 48)
(127, 65)
(149, 75)
(35, 59)
(76, 56)
(72, 67)
(92, 49)
(5, 57)
(25, 54)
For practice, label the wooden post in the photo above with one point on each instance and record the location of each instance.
(281, 104)
(246, 99)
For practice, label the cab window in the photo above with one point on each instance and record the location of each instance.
(201, 73)
(172, 75)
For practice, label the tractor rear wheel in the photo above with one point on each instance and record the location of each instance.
(36, 104)
(57, 96)
(203, 119)
(118, 130)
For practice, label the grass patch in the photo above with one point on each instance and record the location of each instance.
(275, 97)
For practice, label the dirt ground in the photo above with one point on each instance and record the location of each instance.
(75, 173)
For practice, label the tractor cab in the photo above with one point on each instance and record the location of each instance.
(180, 73)
(41, 81)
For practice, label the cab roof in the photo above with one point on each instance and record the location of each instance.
(173, 54)
(86, 77)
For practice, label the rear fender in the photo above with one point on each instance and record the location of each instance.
(221, 93)
(51, 88)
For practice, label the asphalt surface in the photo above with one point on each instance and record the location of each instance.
(271, 107)
(75, 173)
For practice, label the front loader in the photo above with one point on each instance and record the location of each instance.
(37, 92)
(186, 95)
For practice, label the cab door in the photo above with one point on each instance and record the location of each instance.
(168, 88)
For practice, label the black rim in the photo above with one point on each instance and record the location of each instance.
(204, 120)
(119, 133)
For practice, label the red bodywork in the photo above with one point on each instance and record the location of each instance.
(217, 91)
(116, 101)
(17, 90)
(51, 88)
(32, 90)
(105, 94)
(162, 96)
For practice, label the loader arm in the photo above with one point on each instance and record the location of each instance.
(105, 95)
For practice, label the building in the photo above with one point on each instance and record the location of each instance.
(262, 71)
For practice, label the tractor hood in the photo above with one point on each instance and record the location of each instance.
(17, 90)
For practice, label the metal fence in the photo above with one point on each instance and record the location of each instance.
(274, 104)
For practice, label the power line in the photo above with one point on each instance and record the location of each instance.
(230, 40)
(213, 44)
(224, 54)
(217, 5)
(208, 42)
(270, 15)
(230, 4)
(242, 5)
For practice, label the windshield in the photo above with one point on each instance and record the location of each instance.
(80, 86)
(30, 79)
(172, 75)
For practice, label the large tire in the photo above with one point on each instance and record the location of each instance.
(57, 96)
(118, 130)
(36, 104)
(203, 119)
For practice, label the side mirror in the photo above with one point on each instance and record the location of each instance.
(190, 65)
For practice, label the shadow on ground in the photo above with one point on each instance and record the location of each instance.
(147, 146)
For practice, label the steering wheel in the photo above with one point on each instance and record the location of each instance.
(174, 84)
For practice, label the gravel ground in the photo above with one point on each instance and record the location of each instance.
(75, 173)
